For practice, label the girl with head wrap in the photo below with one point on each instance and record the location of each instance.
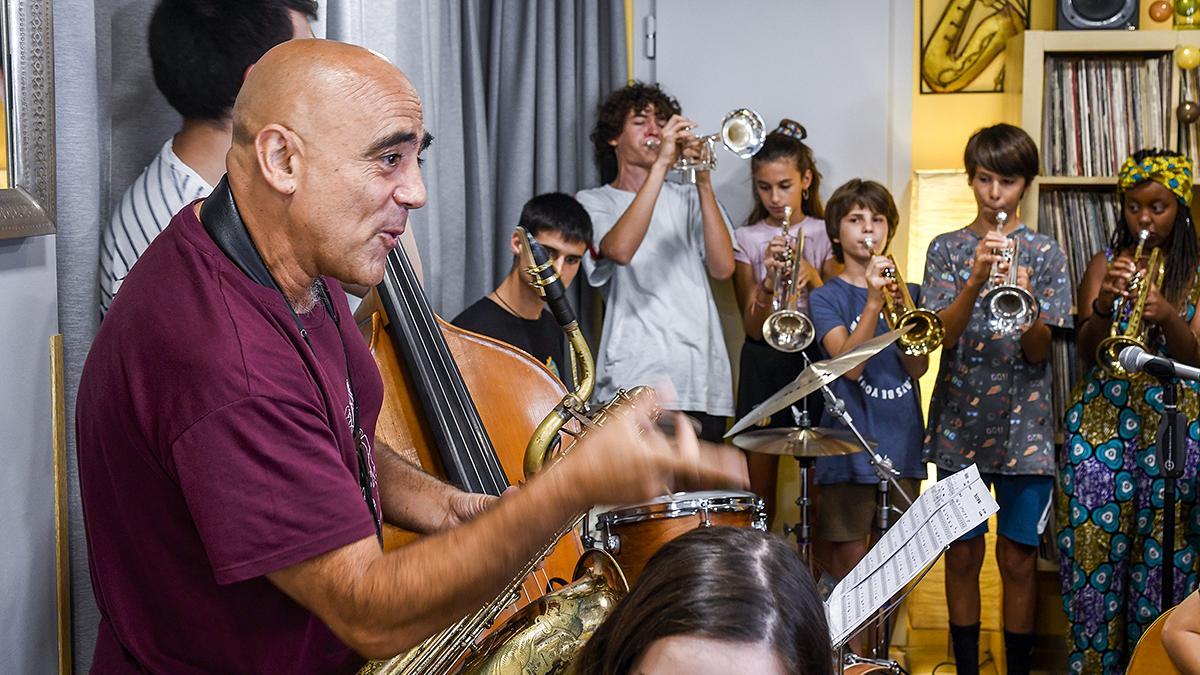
(1111, 498)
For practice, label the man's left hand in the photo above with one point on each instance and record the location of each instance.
(465, 506)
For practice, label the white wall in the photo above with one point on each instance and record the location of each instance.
(843, 69)
(28, 317)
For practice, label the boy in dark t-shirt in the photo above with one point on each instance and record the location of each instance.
(514, 312)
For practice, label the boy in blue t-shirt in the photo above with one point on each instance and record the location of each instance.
(881, 395)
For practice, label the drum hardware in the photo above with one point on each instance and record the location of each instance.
(1009, 308)
(927, 330)
(1135, 333)
(886, 472)
(742, 133)
(822, 374)
(786, 329)
(815, 376)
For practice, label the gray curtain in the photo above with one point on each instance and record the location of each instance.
(510, 89)
(82, 68)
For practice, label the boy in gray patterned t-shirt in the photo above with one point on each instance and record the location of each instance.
(991, 405)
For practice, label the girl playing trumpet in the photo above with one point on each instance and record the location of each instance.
(1111, 498)
(785, 176)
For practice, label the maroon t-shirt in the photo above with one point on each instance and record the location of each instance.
(215, 447)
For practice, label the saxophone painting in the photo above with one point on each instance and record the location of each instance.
(965, 40)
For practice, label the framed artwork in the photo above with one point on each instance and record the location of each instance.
(962, 43)
(27, 71)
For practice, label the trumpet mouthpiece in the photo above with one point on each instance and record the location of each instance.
(1144, 235)
(870, 243)
(1001, 217)
(652, 143)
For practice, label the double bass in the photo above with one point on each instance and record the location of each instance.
(465, 406)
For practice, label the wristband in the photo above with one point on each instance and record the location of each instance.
(1097, 312)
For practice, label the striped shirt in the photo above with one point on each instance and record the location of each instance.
(165, 186)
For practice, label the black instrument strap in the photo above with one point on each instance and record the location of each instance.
(224, 224)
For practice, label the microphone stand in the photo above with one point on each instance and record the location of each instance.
(1169, 457)
(886, 472)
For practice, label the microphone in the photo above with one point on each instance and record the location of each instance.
(1135, 359)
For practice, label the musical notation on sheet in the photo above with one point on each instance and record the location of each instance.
(947, 510)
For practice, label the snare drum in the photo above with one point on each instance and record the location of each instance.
(634, 533)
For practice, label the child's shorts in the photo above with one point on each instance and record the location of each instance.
(1024, 506)
(848, 510)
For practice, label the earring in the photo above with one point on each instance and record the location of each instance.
(804, 193)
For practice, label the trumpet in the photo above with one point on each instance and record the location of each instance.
(1135, 333)
(925, 329)
(742, 133)
(1010, 308)
(786, 329)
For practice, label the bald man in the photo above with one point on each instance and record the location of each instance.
(232, 519)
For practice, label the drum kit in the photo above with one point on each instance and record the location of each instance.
(632, 534)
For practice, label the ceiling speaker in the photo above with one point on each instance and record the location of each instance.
(1097, 14)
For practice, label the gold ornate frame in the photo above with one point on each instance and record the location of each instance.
(27, 204)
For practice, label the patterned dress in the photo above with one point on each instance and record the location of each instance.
(1110, 510)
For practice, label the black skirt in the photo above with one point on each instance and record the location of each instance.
(764, 371)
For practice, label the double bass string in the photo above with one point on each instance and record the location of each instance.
(437, 353)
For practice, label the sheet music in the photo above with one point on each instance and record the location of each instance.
(947, 510)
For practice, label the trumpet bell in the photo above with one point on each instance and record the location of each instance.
(1108, 354)
(787, 330)
(926, 334)
(1010, 308)
(743, 132)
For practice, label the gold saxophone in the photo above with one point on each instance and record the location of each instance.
(949, 65)
(544, 636)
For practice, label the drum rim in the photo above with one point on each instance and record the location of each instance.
(678, 509)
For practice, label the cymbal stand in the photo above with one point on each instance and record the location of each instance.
(803, 529)
(882, 466)
(886, 472)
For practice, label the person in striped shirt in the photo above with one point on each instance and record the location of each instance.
(200, 51)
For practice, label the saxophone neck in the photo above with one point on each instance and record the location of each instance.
(541, 444)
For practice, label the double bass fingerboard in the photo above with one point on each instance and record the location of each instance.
(467, 454)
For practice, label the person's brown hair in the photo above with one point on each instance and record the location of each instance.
(858, 194)
(731, 584)
(610, 119)
(786, 143)
(1004, 149)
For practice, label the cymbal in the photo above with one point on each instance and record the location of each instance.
(816, 376)
(800, 442)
